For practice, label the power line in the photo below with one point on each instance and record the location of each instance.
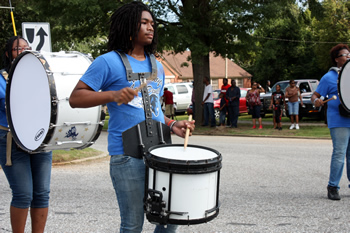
(300, 41)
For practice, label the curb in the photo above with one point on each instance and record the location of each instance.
(262, 136)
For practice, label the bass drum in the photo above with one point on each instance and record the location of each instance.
(37, 103)
(343, 87)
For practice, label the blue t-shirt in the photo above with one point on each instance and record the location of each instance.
(3, 120)
(328, 87)
(107, 73)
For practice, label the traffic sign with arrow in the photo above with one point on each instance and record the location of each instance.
(38, 35)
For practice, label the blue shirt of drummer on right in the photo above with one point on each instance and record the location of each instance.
(328, 87)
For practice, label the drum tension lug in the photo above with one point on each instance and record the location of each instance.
(154, 206)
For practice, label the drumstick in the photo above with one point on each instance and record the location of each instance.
(333, 98)
(187, 133)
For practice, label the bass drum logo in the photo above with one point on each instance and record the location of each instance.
(39, 134)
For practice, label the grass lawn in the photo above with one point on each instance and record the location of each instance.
(319, 130)
(69, 155)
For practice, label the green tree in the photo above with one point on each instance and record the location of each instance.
(333, 27)
(205, 26)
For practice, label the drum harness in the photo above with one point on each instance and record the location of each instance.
(9, 135)
(149, 132)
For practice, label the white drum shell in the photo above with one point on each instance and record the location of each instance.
(38, 80)
(192, 193)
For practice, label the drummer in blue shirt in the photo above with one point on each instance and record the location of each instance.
(339, 126)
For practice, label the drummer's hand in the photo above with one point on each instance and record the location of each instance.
(318, 103)
(180, 127)
(124, 95)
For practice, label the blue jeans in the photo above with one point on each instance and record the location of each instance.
(341, 150)
(293, 108)
(29, 176)
(222, 117)
(128, 178)
(209, 113)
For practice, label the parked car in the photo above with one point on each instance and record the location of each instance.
(242, 102)
(182, 93)
(307, 88)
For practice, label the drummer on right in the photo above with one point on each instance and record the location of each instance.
(339, 126)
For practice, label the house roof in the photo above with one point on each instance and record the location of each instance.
(178, 65)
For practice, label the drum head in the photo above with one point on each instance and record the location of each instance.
(174, 158)
(343, 86)
(28, 101)
(177, 152)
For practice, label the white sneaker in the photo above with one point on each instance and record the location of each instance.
(296, 126)
(292, 126)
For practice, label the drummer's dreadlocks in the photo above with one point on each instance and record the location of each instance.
(335, 52)
(125, 25)
(7, 55)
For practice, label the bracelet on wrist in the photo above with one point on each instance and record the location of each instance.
(171, 125)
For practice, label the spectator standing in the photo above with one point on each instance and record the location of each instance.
(268, 86)
(339, 126)
(277, 95)
(169, 103)
(233, 94)
(293, 94)
(278, 114)
(223, 109)
(253, 98)
(224, 88)
(208, 104)
(193, 100)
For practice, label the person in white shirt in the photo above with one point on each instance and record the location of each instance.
(208, 104)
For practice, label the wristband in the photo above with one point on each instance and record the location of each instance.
(171, 126)
(169, 123)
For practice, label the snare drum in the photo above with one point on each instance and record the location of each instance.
(343, 86)
(37, 103)
(182, 186)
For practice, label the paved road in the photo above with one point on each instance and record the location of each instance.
(267, 185)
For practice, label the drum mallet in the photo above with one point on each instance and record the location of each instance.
(187, 133)
(333, 98)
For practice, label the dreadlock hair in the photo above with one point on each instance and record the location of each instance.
(335, 52)
(7, 55)
(125, 26)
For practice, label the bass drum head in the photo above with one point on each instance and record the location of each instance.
(27, 95)
(343, 86)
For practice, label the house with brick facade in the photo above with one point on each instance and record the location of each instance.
(177, 68)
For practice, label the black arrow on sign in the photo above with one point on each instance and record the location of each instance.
(42, 35)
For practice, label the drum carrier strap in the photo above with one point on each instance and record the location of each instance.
(149, 132)
(9, 135)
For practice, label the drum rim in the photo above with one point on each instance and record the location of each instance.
(338, 84)
(152, 218)
(183, 166)
(53, 94)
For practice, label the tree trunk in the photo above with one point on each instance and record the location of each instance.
(200, 67)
